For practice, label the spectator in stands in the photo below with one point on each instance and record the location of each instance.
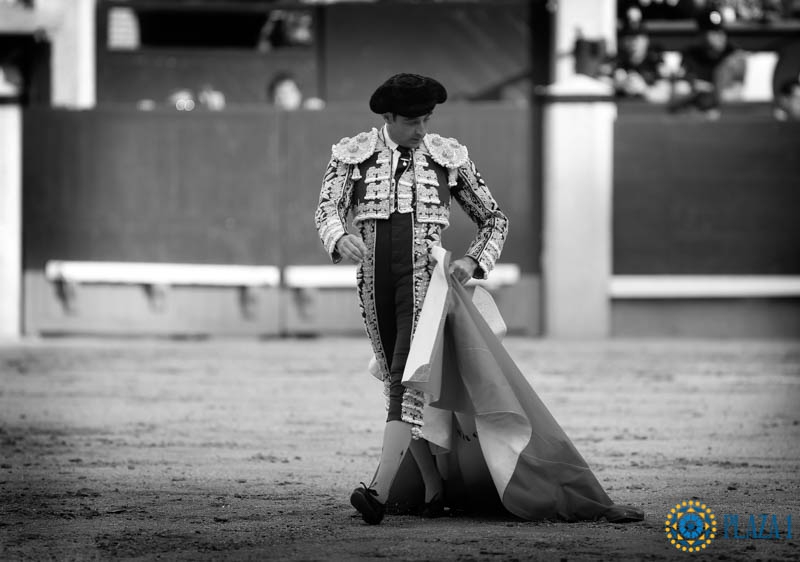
(286, 28)
(182, 100)
(638, 68)
(712, 71)
(283, 92)
(787, 100)
(210, 98)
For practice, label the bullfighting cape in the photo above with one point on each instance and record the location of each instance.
(500, 443)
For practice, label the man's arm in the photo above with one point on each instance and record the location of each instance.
(477, 201)
(334, 204)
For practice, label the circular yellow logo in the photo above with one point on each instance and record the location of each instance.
(690, 526)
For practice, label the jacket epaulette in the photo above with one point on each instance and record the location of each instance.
(354, 150)
(447, 152)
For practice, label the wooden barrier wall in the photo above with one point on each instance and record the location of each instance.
(236, 187)
(232, 187)
(124, 185)
(699, 197)
(498, 137)
(240, 187)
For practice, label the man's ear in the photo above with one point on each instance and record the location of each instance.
(389, 118)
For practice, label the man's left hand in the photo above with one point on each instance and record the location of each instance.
(463, 269)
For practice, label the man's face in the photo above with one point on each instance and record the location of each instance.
(636, 46)
(288, 95)
(407, 131)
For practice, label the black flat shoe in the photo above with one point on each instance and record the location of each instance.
(434, 508)
(366, 502)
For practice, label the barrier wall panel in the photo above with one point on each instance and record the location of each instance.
(236, 187)
(499, 140)
(694, 197)
(699, 197)
(120, 185)
(307, 149)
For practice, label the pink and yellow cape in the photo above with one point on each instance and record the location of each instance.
(499, 444)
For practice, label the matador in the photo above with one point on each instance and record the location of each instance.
(397, 183)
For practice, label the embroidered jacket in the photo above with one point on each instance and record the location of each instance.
(358, 179)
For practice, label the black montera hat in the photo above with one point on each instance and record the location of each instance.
(409, 95)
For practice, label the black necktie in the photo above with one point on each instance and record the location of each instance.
(403, 162)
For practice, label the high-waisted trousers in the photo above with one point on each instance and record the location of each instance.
(394, 299)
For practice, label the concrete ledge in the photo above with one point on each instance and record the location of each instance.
(143, 273)
(344, 276)
(703, 286)
(319, 276)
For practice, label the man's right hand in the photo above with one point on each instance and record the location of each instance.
(352, 247)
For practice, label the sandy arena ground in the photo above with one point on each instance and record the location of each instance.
(247, 450)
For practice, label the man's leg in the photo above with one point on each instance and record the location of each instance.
(370, 500)
(395, 310)
(427, 467)
(396, 438)
(394, 304)
(403, 275)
